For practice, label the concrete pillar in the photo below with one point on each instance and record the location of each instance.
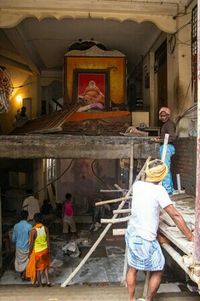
(152, 90)
(181, 90)
(197, 205)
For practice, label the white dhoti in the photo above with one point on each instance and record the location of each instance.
(21, 260)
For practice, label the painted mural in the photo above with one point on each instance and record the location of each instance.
(103, 72)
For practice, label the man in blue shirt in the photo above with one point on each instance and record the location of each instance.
(21, 238)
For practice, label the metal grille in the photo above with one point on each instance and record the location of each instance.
(194, 52)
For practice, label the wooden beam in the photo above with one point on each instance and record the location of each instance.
(18, 59)
(15, 64)
(180, 261)
(75, 147)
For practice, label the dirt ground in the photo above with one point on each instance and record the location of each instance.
(99, 272)
(83, 293)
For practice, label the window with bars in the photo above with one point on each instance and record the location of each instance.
(194, 52)
(51, 169)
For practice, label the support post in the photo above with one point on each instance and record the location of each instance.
(130, 185)
(197, 202)
(1, 262)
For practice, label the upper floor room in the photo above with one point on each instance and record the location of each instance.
(157, 41)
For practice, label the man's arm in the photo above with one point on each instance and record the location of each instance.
(25, 205)
(48, 241)
(33, 235)
(14, 235)
(179, 221)
(171, 130)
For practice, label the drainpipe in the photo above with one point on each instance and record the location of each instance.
(197, 203)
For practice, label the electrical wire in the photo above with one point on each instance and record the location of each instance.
(173, 39)
(184, 43)
(181, 14)
(102, 181)
(190, 113)
(21, 86)
(55, 180)
(183, 26)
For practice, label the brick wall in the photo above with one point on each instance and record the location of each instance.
(184, 163)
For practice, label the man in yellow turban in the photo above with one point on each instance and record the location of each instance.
(144, 252)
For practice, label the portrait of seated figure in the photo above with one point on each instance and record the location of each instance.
(92, 96)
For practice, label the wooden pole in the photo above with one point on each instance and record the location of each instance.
(122, 211)
(1, 262)
(112, 201)
(166, 139)
(130, 185)
(92, 249)
(119, 188)
(131, 167)
(111, 190)
(116, 220)
(197, 200)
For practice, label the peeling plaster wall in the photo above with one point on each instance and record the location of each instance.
(84, 179)
(180, 95)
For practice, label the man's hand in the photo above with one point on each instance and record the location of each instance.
(179, 221)
(156, 139)
(191, 238)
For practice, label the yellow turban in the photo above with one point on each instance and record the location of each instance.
(156, 171)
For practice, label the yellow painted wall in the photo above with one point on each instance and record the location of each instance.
(117, 67)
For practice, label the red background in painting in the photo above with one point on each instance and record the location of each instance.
(84, 78)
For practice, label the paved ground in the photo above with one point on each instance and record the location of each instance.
(103, 292)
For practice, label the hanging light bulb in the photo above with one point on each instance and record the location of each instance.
(19, 99)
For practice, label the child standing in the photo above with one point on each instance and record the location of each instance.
(68, 215)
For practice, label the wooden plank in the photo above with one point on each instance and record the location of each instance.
(112, 201)
(185, 204)
(117, 232)
(181, 242)
(182, 262)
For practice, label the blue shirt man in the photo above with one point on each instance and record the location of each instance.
(21, 234)
(21, 238)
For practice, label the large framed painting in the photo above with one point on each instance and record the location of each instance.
(91, 88)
